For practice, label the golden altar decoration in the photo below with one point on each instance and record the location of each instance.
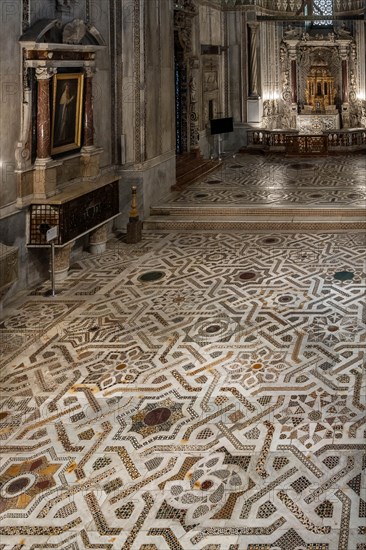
(320, 90)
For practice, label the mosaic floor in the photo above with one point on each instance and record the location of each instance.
(197, 390)
(278, 182)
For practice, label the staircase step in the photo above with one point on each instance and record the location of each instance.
(265, 222)
(201, 211)
(193, 170)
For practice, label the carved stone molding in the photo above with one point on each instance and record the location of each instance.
(64, 5)
(45, 73)
(183, 19)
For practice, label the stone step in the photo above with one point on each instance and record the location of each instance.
(198, 211)
(194, 171)
(264, 222)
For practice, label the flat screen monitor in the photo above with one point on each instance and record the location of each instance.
(221, 125)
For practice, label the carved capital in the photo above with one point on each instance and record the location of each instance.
(89, 71)
(45, 73)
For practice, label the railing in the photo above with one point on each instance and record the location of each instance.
(269, 139)
(293, 143)
(291, 7)
(338, 139)
(306, 145)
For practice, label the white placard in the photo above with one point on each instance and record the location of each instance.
(52, 233)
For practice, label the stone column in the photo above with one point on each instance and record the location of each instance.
(293, 81)
(88, 109)
(253, 60)
(98, 239)
(345, 87)
(254, 101)
(62, 261)
(43, 76)
(345, 84)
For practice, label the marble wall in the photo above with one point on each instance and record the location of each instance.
(10, 98)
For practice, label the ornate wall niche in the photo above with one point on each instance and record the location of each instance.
(50, 47)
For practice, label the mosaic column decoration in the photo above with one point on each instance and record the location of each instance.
(253, 60)
(43, 76)
(88, 109)
(193, 98)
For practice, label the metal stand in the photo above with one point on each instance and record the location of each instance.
(51, 234)
(53, 290)
(220, 140)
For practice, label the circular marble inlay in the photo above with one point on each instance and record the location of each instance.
(151, 276)
(344, 275)
(157, 416)
(207, 484)
(3, 415)
(333, 328)
(247, 275)
(17, 486)
(239, 196)
(354, 196)
(285, 299)
(200, 195)
(270, 240)
(316, 195)
(121, 366)
(302, 166)
(212, 329)
(257, 366)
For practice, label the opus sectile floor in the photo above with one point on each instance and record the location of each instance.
(279, 181)
(197, 390)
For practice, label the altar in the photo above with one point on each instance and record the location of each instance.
(317, 123)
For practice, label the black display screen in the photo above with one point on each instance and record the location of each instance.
(221, 125)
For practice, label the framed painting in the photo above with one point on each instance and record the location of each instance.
(67, 112)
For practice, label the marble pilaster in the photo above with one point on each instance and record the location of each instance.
(88, 109)
(43, 75)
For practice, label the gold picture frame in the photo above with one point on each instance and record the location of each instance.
(67, 112)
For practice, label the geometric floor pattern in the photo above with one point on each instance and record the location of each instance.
(279, 181)
(196, 390)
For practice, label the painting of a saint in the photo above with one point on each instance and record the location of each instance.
(67, 112)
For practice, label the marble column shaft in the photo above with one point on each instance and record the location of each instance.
(253, 60)
(88, 112)
(43, 115)
(293, 81)
(345, 88)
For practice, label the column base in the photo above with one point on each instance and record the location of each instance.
(62, 262)
(98, 240)
(134, 232)
(254, 110)
(97, 248)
